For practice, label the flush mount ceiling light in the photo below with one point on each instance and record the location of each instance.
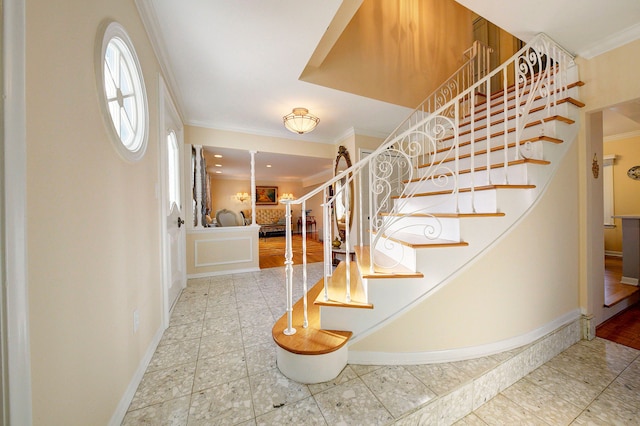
(300, 121)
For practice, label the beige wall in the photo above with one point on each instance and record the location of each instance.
(610, 78)
(626, 191)
(93, 222)
(515, 287)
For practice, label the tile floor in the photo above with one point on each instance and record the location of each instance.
(216, 365)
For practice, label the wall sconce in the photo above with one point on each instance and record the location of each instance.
(242, 196)
(287, 196)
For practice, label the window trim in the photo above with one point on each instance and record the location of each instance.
(106, 33)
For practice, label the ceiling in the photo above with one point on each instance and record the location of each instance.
(236, 65)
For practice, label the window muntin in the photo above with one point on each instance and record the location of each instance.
(123, 93)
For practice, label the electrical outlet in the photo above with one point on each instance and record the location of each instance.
(136, 321)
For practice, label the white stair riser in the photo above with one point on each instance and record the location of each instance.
(516, 174)
(497, 106)
(429, 227)
(405, 256)
(466, 202)
(533, 150)
(497, 123)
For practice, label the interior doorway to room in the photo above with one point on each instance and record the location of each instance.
(620, 126)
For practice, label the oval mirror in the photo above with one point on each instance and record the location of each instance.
(344, 196)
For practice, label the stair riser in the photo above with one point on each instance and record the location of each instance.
(430, 227)
(517, 175)
(551, 129)
(497, 123)
(466, 202)
(533, 150)
(497, 105)
(405, 256)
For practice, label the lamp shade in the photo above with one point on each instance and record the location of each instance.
(300, 121)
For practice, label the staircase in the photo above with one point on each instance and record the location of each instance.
(448, 183)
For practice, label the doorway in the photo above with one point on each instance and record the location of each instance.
(172, 202)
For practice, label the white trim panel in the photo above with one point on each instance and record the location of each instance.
(224, 247)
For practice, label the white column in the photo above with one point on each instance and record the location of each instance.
(253, 186)
(198, 185)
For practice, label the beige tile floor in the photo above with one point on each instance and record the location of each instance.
(215, 365)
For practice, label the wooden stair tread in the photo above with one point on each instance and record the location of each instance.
(417, 241)
(336, 289)
(398, 271)
(477, 188)
(443, 215)
(311, 340)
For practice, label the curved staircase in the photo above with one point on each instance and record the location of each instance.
(446, 185)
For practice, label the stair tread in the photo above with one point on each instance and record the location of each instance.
(336, 289)
(417, 241)
(398, 271)
(311, 340)
(443, 215)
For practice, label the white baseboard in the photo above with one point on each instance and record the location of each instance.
(629, 280)
(125, 401)
(613, 253)
(225, 272)
(452, 355)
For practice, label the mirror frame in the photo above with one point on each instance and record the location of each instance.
(343, 154)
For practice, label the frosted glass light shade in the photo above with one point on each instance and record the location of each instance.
(300, 121)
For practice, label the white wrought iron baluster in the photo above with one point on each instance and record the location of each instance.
(289, 272)
(360, 208)
(328, 267)
(456, 141)
(505, 121)
(487, 101)
(472, 123)
(517, 115)
(305, 322)
(372, 218)
(347, 235)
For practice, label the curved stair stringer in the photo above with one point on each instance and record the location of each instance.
(443, 265)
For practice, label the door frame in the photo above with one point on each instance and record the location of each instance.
(168, 112)
(15, 300)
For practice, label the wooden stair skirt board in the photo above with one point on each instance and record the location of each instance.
(311, 355)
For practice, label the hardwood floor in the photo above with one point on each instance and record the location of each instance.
(614, 291)
(623, 328)
(272, 250)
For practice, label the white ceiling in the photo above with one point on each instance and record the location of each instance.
(234, 65)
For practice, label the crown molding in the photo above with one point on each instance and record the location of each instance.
(622, 136)
(611, 42)
(152, 27)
